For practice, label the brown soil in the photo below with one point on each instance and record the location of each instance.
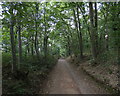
(65, 79)
(106, 74)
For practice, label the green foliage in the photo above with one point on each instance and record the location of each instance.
(48, 31)
(6, 59)
(17, 87)
(38, 69)
(104, 57)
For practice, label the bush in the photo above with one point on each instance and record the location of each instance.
(6, 59)
(38, 71)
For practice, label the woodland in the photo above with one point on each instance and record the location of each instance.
(35, 35)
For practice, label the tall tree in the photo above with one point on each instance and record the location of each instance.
(76, 25)
(19, 44)
(92, 31)
(13, 46)
(45, 33)
(36, 29)
(96, 27)
(80, 34)
(19, 22)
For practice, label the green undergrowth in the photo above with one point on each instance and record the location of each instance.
(32, 73)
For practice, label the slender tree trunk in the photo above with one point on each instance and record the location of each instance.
(28, 49)
(32, 49)
(19, 46)
(69, 40)
(36, 34)
(45, 34)
(85, 20)
(69, 51)
(45, 45)
(80, 35)
(92, 31)
(76, 25)
(13, 46)
(96, 28)
(96, 19)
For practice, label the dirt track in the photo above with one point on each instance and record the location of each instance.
(65, 79)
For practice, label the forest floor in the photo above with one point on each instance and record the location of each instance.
(65, 79)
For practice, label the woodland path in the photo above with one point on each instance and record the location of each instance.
(65, 79)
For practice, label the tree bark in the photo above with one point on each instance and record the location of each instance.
(80, 35)
(32, 45)
(13, 46)
(28, 49)
(45, 34)
(36, 34)
(69, 40)
(96, 28)
(19, 46)
(92, 31)
(76, 25)
(85, 20)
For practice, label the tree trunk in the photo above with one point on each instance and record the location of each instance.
(69, 51)
(85, 20)
(13, 46)
(96, 28)
(76, 25)
(36, 34)
(80, 35)
(69, 40)
(45, 34)
(32, 49)
(28, 49)
(45, 46)
(19, 46)
(92, 32)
